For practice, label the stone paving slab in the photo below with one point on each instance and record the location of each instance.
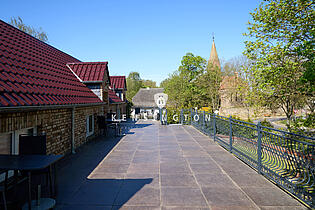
(163, 167)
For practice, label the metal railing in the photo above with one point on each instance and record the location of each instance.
(286, 158)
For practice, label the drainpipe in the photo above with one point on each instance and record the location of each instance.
(72, 131)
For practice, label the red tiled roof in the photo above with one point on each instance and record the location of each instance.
(113, 98)
(35, 73)
(90, 71)
(118, 81)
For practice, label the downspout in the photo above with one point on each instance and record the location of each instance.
(72, 130)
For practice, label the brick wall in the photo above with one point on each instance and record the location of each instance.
(80, 124)
(56, 123)
(57, 126)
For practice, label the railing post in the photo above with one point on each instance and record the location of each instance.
(204, 122)
(160, 111)
(191, 114)
(231, 135)
(181, 116)
(214, 130)
(259, 164)
(166, 116)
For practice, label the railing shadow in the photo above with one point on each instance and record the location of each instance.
(127, 126)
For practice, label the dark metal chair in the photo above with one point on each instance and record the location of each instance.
(8, 183)
(3, 191)
(101, 122)
(3, 188)
(36, 145)
(105, 123)
(32, 145)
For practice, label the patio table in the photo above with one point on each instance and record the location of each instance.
(29, 163)
(117, 124)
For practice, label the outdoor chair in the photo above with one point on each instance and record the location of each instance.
(35, 145)
(32, 145)
(101, 122)
(105, 124)
(3, 188)
(7, 184)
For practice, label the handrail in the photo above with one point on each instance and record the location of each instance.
(283, 157)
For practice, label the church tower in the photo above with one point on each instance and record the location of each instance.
(214, 59)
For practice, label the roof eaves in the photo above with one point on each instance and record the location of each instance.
(116, 102)
(98, 81)
(45, 107)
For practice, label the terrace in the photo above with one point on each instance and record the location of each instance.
(163, 167)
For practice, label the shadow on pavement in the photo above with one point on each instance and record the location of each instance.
(102, 193)
(76, 190)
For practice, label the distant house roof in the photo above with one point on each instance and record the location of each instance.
(113, 98)
(90, 71)
(119, 82)
(35, 73)
(145, 97)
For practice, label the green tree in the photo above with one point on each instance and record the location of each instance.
(149, 83)
(37, 33)
(181, 85)
(134, 83)
(281, 44)
(173, 87)
(208, 87)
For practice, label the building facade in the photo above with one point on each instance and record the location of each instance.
(39, 94)
(119, 88)
(229, 94)
(144, 104)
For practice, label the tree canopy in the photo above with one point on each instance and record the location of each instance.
(37, 33)
(281, 46)
(134, 83)
(148, 83)
(193, 84)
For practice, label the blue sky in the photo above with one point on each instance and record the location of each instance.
(145, 36)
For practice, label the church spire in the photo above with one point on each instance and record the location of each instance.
(214, 59)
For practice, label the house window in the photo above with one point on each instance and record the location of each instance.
(9, 144)
(17, 133)
(89, 125)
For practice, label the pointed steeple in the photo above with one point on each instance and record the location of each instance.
(214, 59)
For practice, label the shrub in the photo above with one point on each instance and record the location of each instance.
(170, 113)
(266, 123)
